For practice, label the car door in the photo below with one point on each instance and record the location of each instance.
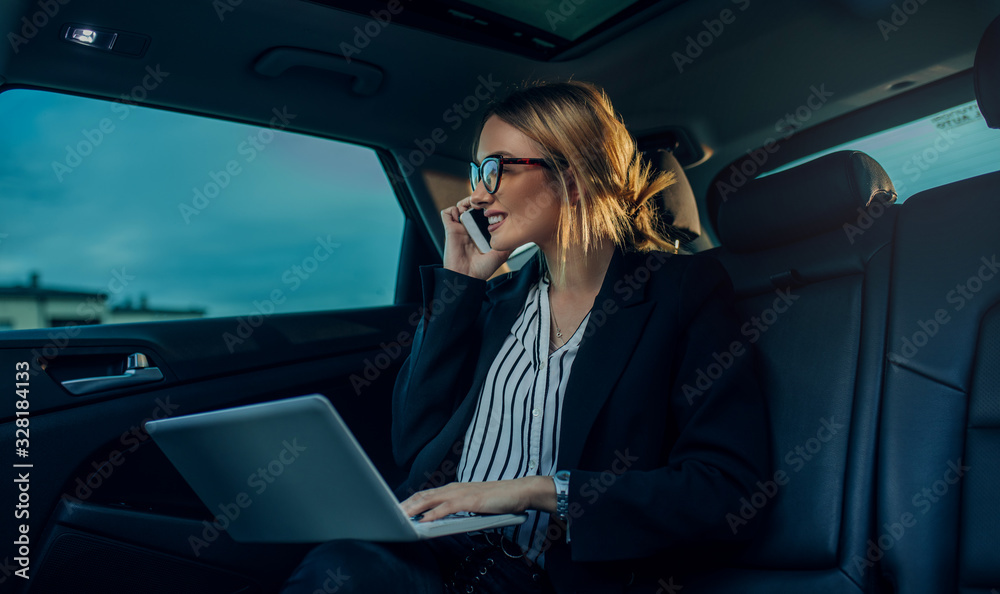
(163, 264)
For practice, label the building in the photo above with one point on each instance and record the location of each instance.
(34, 306)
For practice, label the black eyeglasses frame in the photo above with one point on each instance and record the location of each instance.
(476, 171)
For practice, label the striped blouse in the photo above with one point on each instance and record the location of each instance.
(515, 429)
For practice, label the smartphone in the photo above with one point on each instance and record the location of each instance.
(476, 224)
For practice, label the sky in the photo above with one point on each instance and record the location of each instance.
(92, 193)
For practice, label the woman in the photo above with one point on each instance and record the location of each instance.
(568, 390)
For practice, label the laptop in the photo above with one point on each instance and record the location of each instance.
(291, 471)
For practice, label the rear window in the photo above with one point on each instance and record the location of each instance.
(945, 147)
(117, 213)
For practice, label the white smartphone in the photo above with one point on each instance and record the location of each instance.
(476, 224)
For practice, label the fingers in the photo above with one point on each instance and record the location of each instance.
(452, 213)
(444, 509)
(434, 504)
(431, 504)
(490, 497)
(464, 204)
(411, 505)
(419, 502)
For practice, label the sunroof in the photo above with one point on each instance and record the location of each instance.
(541, 29)
(565, 18)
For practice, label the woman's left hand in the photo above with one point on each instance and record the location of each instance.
(489, 497)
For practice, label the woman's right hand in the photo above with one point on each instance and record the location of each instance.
(460, 252)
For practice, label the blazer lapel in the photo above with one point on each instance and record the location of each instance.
(609, 340)
(507, 298)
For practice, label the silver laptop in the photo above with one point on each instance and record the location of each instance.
(291, 471)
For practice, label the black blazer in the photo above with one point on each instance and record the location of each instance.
(664, 427)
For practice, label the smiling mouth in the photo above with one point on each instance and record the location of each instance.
(495, 221)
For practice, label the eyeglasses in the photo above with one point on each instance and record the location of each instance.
(491, 169)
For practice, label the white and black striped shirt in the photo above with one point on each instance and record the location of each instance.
(515, 429)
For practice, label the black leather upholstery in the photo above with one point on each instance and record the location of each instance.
(941, 409)
(896, 327)
(806, 244)
(987, 75)
(802, 202)
(939, 443)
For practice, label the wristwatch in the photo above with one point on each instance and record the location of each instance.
(561, 479)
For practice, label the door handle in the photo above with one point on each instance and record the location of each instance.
(137, 372)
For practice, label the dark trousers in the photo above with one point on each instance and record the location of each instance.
(458, 563)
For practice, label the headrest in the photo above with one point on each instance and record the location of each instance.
(986, 73)
(677, 203)
(805, 201)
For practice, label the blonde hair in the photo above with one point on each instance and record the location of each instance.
(579, 132)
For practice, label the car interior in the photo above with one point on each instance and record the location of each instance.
(214, 204)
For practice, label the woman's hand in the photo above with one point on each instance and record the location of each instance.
(460, 252)
(490, 497)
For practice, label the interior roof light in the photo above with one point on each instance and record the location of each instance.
(104, 40)
(118, 42)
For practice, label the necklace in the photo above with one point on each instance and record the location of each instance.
(552, 313)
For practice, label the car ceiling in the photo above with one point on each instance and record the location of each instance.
(758, 68)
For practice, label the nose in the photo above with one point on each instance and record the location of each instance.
(480, 198)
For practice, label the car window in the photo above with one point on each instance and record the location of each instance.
(118, 213)
(941, 148)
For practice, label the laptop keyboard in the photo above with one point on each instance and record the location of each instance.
(447, 519)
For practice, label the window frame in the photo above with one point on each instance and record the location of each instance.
(902, 108)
